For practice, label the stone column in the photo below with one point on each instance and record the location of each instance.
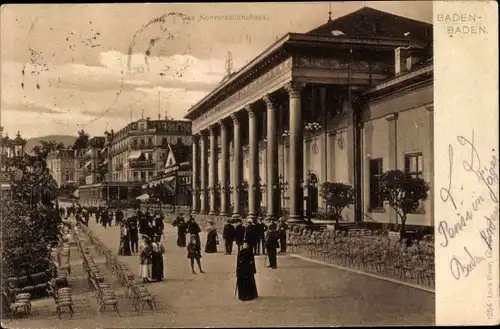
(273, 191)
(224, 164)
(195, 180)
(253, 145)
(213, 169)
(238, 165)
(296, 161)
(203, 173)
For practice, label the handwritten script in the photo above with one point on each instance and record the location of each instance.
(481, 196)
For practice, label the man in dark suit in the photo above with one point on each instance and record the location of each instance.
(282, 231)
(272, 243)
(228, 234)
(118, 217)
(251, 234)
(239, 234)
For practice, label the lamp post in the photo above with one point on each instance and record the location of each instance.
(283, 187)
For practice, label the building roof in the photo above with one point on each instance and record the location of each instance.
(369, 22)
(367, 27)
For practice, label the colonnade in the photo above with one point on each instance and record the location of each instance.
(205, 183)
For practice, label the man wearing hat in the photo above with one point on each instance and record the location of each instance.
(251, 234)
(239, 234)
(271, 245)
(159, 226)
(228, 234)
(282, 228)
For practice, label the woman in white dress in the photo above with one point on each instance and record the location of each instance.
(145, 254)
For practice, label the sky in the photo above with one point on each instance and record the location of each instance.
(96, 67)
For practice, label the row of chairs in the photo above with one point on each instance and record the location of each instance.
(104, 294)
(134, 289)
(369, 250)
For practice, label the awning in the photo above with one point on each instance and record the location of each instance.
(134, 155)
(105, 161)
(145, 196)
(145, 186)
(88, 163)
(76, 193)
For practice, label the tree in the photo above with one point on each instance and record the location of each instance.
(43, 148)
(336, 196)
(30, 219)
(404, 193)
(82, 141)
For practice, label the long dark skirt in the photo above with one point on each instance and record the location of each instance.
(157, 267)
(125, 247)
(211, 245)
(247, 288)
(181, 239)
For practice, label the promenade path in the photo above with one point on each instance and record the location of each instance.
(298, 293)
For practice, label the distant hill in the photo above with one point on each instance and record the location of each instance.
(66, 139)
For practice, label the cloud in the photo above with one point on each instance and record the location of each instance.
(74, 95)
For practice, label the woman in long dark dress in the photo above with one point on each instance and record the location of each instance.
(124, 241)
(212, 239)
(245, 274)
(181, 231)
(157, 260)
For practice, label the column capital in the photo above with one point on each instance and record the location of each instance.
(250, 108)
(222, 125)
(236, 119)
(212, 130)
(270, 101)
(294, 89)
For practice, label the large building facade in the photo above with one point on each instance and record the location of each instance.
(66, 166)
(138, 151)
(341, 103)
(121, 163)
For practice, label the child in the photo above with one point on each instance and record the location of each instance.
(194, 252)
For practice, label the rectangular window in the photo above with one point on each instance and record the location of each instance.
(376, 170)
(414, 164)
(150, 156)
(136, 175)
(164, 141)
(150, 141)
(143, 175)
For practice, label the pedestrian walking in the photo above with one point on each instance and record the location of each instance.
(157, 268)
(251, 234)
(282, 231)
(98, 215)
(228, 236)
(134, 235)
(194, 252)
(118, 217)
(245, 274)
(272, 242)
(193, 228)
(145, 255)
(181, 230)
(158, 224)
(124, 249)
(262, 236)
(212, 238)
(239, 234)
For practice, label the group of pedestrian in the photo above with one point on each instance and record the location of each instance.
(194, 246)
(151, 267)
(260, 236)
(105, 216)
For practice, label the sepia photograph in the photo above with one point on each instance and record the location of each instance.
(218, 165)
